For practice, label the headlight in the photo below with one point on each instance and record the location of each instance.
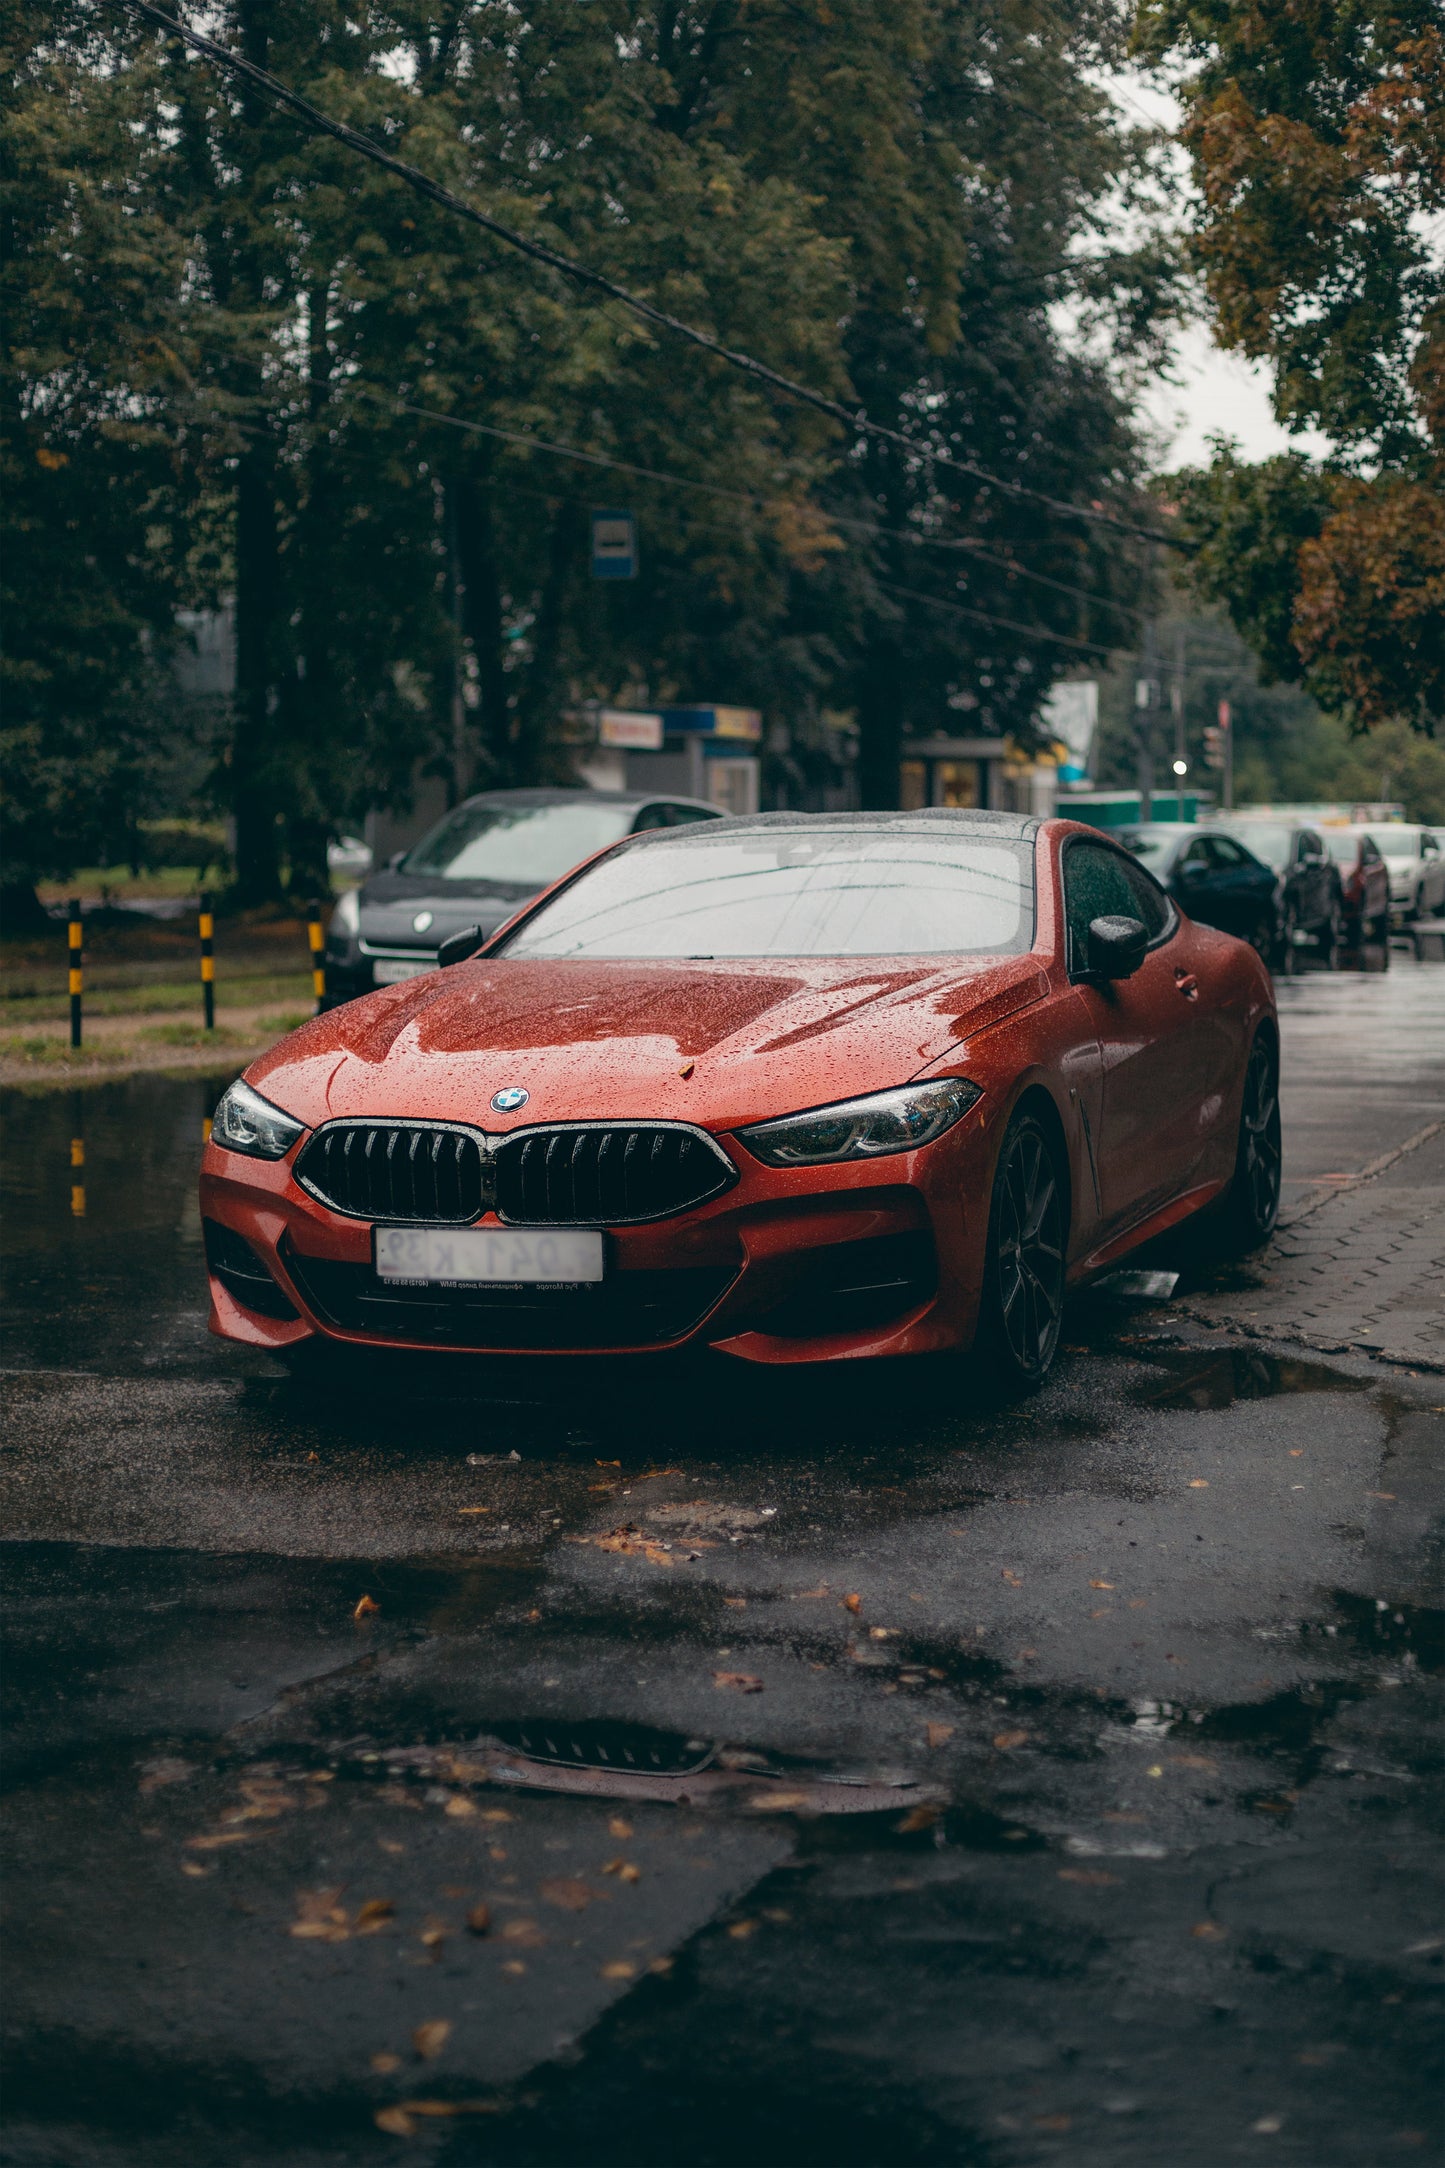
(345, 919)
(245, 1122)
(896, 1121)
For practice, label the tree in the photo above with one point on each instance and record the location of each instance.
(1317, 136)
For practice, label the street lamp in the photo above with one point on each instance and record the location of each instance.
(1181, 767)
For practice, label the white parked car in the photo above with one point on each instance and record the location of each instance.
(349, 855)
(1415, 862)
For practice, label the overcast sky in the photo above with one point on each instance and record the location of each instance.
(1213, 392)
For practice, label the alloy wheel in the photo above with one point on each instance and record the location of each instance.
(1029, 1249)
(1257, 1170)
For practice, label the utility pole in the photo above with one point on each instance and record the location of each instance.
(1146, 703)
(1177, 704)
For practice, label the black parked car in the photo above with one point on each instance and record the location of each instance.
(474, 869)
(1212, 877)
(1308, 893)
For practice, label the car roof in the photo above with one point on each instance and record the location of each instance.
(1012, 826)
(563, 796)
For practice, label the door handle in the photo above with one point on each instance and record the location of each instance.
(1186, 983)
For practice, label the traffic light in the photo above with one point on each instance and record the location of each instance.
(1216, 739)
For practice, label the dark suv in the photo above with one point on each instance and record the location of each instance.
(474, 869)
(1309, 900)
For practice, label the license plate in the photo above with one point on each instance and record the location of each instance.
(488, 1256)
(390, 970)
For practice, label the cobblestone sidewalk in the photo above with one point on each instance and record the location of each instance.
(1362, 1267)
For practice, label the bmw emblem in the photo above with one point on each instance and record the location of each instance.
(508, 1101)
(421, 922)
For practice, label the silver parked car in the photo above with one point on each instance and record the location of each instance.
(1415, 862)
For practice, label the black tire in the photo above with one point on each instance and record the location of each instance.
(1028, 1229)
(1251, 1207)
(1380, 928)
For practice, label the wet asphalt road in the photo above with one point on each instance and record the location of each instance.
(686, 1765)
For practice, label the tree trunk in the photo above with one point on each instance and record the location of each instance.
(880, 728)
(482, 620)
(254, 794)
(539, 708)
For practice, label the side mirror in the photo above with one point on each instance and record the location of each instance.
(457, 947)
(1117, 947)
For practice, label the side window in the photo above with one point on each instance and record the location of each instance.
(1429, 848)
(1102, 883)
(1368, 852)
(1227, 852)
(651, 816)
(682, 816)
(1196, 858)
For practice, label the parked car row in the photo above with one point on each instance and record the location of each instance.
(1285, 886)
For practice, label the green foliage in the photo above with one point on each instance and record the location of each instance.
(886, 202)
(1316, 136)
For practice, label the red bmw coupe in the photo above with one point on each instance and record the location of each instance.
(795, 1087)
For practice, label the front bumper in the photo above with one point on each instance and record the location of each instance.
(790, 1265)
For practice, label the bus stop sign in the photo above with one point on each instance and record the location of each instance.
(614, 546)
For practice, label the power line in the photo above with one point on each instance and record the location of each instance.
(851, 418)
(1003, 624)
(526, 439)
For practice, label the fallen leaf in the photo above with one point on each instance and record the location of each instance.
(216, 1838)
(367, 1608)
(779, 1802)
(1004, 1740)
(1208, 1931)
(321, 1904)
(1390, 1499)
(623, 1869)
(495, 1814)
(607, 1464)
(853, 1603)
(1197, 1482)
(917, 1818)
(189, 1866)
(474, 1509)
(736, 1603)
(740, 1682)
(384, 2063)
(515, 1966)
(1013, 1579)
(1088, 1877)
(479, 1919)
(1101, 1584)
(686, 1071)
(524, 1934)
(460, 1808)
(1268, 2125)
(619, 1969)
(374, 1914)
(449, 2107)
(883, 1633)
(809, 1595)
(659, 1964)
(1296, 1452)
(617, 1827)
(741, 1929)
(166, 1770)
(566, 1892)
(396, 2122)
(938, 1734)
(431, 2038)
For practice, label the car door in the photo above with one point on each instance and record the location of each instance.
(1194, 883)
(1155, 1050)
(1432, 873)
(1317, 878)
(1245, 889)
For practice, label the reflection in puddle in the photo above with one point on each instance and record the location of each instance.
(1412, 1631)
(1217, 1380)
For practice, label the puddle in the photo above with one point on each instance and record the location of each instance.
(1376, 1627)
(1219, 1379)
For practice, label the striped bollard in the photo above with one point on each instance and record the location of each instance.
(77, 1158)
(316, 935)
(77, 962)
(208, 963)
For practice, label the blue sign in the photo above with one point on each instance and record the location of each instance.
(614, 546)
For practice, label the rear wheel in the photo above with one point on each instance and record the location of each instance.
(1252, 1205)
(1023, 1298)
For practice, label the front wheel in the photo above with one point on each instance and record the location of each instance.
(1023, 1295)
(1251, 1206)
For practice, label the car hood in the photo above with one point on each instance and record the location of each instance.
(716, 1043)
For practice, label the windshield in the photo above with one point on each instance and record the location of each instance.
(1343, 845)
(799, 892)
(527, 845)
(1267, 840)
(1398, 842)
